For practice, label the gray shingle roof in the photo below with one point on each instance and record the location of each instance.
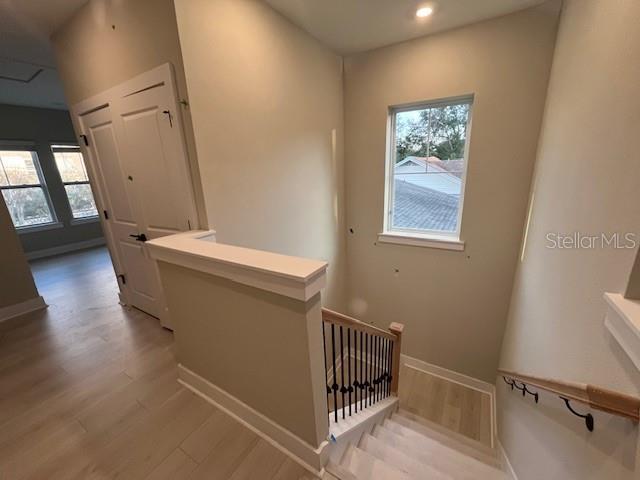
(423, 208)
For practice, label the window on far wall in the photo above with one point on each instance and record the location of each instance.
(426, 170)
(76, 181)
(24, 189)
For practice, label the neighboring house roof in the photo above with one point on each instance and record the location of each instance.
(429, 173)
(423, 208)
(454, 167)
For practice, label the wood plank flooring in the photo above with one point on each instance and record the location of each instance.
(454, 406)
(88, 390)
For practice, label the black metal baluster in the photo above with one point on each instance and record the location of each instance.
(371, 389)
(374, 383)
(326, 368)
(386, 355)
(343, 390)
(391, 365)
(355, 370)
(388, 367)
(382, 340)
(366, 370)
(377, 395)
(385, 374)
(361, 377)
(334, 387)
(383, 377)
(386, 392)
(350, 388)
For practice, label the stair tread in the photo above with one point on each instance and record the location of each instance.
(420, 433)
(365, 466)
(400, 460)
(433, 426)
(334, 470)
(439, 456)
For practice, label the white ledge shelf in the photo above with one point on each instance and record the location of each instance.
(295, 277)
(623, 322)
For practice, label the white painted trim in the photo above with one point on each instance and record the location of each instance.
(39, 228)
(69, 247)
(82, 221)
(460, 379)
(299, 278)
(506, 463)
(311, 458)
(623, 322)
(418, 240)
(390, 160)
(22, 308)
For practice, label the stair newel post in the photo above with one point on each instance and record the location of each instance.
(396, 329)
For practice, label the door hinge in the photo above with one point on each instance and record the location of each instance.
(85, 139)
(106, 214)
(122, 278)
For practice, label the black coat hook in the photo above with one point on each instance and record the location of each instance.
(508, 382)
(524, 389)
(588, 418)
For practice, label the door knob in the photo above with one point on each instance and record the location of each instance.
(140, 237)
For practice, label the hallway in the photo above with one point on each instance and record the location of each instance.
(92, 392)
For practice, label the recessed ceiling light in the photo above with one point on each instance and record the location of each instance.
(424, 12)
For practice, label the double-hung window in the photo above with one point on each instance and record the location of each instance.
(24, 189)
(426, 171)
(73, 174)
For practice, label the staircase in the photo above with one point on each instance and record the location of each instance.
(408, 447)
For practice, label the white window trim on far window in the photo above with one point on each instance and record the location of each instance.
(67, 147)
(416, 237)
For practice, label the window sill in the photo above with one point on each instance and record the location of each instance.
(82, 221)
(39, 228)
(416, 240)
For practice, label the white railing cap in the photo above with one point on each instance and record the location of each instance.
(295, 277)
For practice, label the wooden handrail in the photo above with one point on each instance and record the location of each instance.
(599, 398)
(340, 319)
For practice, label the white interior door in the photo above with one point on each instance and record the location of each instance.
(156, 160)
(137, 156)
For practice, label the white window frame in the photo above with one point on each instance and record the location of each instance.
(74, 147)
(414, 237)
(30, 147)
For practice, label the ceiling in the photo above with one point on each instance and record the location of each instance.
(27, 65)
(351, 26)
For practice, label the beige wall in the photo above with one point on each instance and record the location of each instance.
(16, 282)
(587, 180)
(267, 111)
(253, 344)
(107, 42)
(454, 304)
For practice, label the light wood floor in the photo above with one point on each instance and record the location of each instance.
(88, 390)
(449, 404)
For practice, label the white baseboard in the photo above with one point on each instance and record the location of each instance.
(21, 308)
(461, 379)
(506, 463)
(311, 458)
(69, 247)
